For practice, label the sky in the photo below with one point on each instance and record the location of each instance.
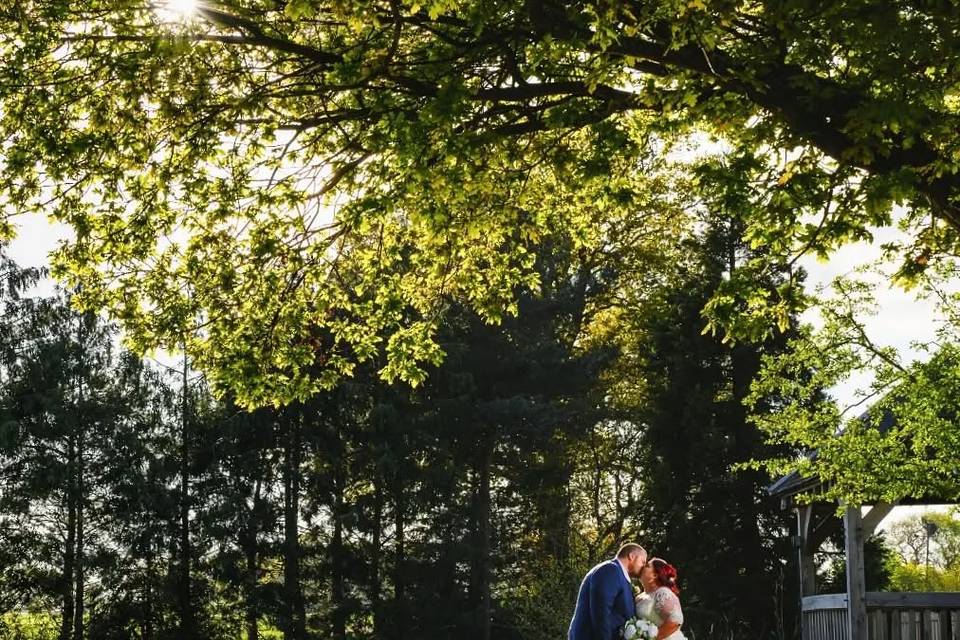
(902, 320)
(36, 238)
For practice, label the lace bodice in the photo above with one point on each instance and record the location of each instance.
(659, 607)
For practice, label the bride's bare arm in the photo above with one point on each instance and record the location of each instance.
(666, 630)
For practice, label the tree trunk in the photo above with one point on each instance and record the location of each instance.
(481, 572)
(253, 631)
(376, 592)
(296, 614)
(554, 503)
(337, 563)
(252, 556)
(66, 614)
(79, 556)
(184, 596)
(399, 575)
(147, 604)
(747, 442)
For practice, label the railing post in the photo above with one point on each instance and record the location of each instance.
(856, 589)
(808, 569)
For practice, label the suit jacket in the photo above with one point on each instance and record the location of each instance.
(604, 604)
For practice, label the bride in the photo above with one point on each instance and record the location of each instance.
(659, 602)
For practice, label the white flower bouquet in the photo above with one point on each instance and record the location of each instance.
(638, 629)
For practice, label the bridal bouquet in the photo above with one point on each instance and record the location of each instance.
(637, 629)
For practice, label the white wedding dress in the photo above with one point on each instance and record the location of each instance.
(660, 607)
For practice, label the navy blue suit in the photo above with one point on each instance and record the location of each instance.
(604, 604)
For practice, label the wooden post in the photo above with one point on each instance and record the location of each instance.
(856, 589)
(876, 514)
(808, 570)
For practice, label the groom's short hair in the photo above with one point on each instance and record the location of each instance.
(629, 548)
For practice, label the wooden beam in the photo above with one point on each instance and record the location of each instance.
(877, 513)
(805, 551)
(887, 600)
(804, 520)
(823, 527)
(856, 589)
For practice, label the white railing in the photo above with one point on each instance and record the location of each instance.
(890, 616)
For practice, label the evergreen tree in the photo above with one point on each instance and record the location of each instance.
(468, 506)
(133, 592)
(878, 565)
(55, 418)
(22, 581)
(243, 508)
(698, 511)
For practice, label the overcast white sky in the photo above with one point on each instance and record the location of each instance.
(902, 320)
(36, 238)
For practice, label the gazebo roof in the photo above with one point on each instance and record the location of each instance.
(793, 483)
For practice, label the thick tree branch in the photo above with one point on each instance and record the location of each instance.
(257, 37)
(817, 109)
(526, 92)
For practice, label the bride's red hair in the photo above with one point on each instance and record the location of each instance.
(665, 573)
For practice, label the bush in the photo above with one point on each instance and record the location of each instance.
(917, 577)
(25, 625)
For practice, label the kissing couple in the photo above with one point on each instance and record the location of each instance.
(608, 608)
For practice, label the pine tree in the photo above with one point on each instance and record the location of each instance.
(55, 419)
(698, 510)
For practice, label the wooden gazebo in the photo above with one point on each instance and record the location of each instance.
(858, 614)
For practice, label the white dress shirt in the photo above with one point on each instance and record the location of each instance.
(623, 568)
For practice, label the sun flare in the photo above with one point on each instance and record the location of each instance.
(177, 9)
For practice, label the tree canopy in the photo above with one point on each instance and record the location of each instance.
(304, 185)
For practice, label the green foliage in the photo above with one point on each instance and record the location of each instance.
(295, 189)
(374, 492)
(928, 553)
(532, 607)
(25, 625)
(692, 432)
(905, 443)
(945, 531)
(933, 537)
(881, 567)
(910, 577)
(474, 501)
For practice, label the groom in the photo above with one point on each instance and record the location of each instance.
(605, 601)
